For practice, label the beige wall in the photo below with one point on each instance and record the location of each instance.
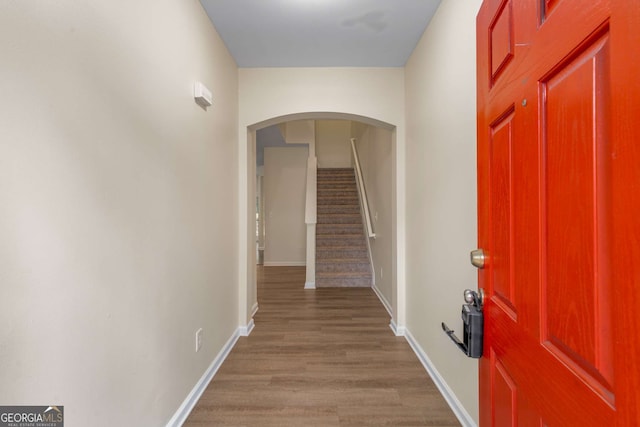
(333, 148)
(284, 191)
(376, 160)
(299, 132)
(266, 93)
(118, 226)
(441, 190)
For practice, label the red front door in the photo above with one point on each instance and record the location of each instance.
(559, 211)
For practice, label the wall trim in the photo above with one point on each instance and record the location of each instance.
(192, 398)
(244, 331)
(383, 300)
(398, 331)
(254, 309)
(284, 263)
(448, 394)
(310, 285)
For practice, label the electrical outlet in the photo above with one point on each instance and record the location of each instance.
(198, 339)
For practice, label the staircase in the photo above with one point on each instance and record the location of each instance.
(341, 247)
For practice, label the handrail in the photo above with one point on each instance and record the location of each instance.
(364, 202)
(310, 211)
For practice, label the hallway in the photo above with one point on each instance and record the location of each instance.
(320, 358)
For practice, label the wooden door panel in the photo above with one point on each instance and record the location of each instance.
(500, 167)
(505, 394)
(575, 319)
(501, 39)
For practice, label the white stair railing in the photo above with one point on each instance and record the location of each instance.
(364, 202)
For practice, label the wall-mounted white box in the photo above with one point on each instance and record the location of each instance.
(202, 95)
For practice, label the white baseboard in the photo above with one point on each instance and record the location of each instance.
(284, 263)
(398, 331)
(244, 331)
(190, 402)
(383, 300)
(254, 309)
(310, 285)
(448, 394)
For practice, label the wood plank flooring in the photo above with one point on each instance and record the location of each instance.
(323, 357)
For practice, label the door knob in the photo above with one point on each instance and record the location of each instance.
(478, 258)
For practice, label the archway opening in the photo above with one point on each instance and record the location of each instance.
(369, 132)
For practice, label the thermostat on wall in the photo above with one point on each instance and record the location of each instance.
(202, 95)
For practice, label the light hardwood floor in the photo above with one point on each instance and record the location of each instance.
(320, 358)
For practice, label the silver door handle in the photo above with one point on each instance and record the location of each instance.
(478, 258)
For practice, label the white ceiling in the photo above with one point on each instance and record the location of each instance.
(320, 33)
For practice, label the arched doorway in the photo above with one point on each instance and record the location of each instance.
(247, 275)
